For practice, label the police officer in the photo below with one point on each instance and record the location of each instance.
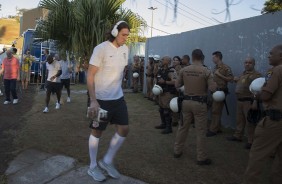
(222, 75)
(150, 77)
(166, 79)
(176, 65)
(268, 133)
(135, 69)
(155, 73)
(141, 74)
(194, 105)
(244, 102)
(185, 60)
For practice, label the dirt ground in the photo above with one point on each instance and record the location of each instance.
(146, 154)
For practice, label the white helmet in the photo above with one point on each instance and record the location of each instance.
(257, 84)
(157, 90)
(218, 96)
(182, 89)
(135, 75)
(157, 57)
(173, 104)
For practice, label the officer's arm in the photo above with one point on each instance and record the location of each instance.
(179, 80)
(265, 96)
(92, 70)
(271, 86)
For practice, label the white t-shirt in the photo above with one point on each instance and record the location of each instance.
(111, 62)
(65, 69)
(53, 69)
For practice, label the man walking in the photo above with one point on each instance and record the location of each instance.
(105, 74)
(11, 70)
(66, 73)
(53, 83)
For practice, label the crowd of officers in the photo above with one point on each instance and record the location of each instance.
(264, 138)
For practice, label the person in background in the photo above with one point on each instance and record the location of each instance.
(66, 74)
(43, 68)
(25, 65)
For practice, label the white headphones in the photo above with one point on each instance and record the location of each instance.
(114, 31)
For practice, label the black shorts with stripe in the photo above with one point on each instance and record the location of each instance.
(117, 113)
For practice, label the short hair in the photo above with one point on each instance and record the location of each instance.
(179, 59)
(186, 57)
(122, 25)
(218, 54)
(197, 54)
(252, 59)
(15, 50)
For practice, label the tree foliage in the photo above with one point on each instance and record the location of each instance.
(79, 25)
(271, 6)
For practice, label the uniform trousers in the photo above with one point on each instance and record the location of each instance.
(242, 122)
(197, 110)
(267, 140)
(149, 87)
(135, 84)
(215, 125)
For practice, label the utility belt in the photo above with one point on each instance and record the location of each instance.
(244, 99)
(273, 114)
(202, 99)
(152, 75)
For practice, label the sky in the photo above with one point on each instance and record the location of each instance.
(192, 14)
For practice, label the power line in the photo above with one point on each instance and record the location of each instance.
(182, 14)
(158, 30)
(193, 15)
(197, 12)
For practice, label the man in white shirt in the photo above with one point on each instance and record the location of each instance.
(53, 83)
(105, 74)
(65, 77)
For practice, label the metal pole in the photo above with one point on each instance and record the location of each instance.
(152, 8)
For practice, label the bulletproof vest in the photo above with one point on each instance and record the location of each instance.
(163, 73)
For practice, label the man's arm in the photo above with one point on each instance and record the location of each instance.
(94, 105)
(226, 78)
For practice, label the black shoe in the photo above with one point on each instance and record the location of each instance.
(210, 134)
(175, 155)
(166, 131)
(160, 127)
(219, 132)
(248, 146)
(232, 138)
(204, 162)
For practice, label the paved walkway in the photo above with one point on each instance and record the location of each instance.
(36, 167)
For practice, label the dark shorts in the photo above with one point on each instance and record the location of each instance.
(65, 83)
(117, 113)
(53, 86)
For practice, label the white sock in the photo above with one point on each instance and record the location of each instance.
(93, 149)
(115, 144)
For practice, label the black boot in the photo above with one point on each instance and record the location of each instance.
(162, 125)
(168, 122)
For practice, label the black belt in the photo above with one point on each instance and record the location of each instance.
(149, 75)
(202, 99)
(245, 99)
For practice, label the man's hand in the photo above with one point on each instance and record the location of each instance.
(18, 79)
(217, 73)
(161, 81)
(93, 109)
(235, 79)
(52, 78)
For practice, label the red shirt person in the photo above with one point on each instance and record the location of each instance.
(11, 70)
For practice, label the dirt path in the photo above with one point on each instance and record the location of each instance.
(10, 121)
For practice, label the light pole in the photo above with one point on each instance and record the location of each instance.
(152, 8)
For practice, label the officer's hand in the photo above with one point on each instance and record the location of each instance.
(161, 81)
(93, 109)
(235, 79)
(217, 73)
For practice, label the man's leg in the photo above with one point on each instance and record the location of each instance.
(58, 92)
(183, 129)
(267, 139)
(13, 86)
(240, 123)
(276, 177)
(216, 116)
(7, 89)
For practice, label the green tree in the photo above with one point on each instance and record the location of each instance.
(271, 6)
(79, 25)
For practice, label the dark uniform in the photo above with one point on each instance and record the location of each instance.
(268, 133)
(135, 80)
(218, 106)
(169, 91)
(244, 102)
(194, 106)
